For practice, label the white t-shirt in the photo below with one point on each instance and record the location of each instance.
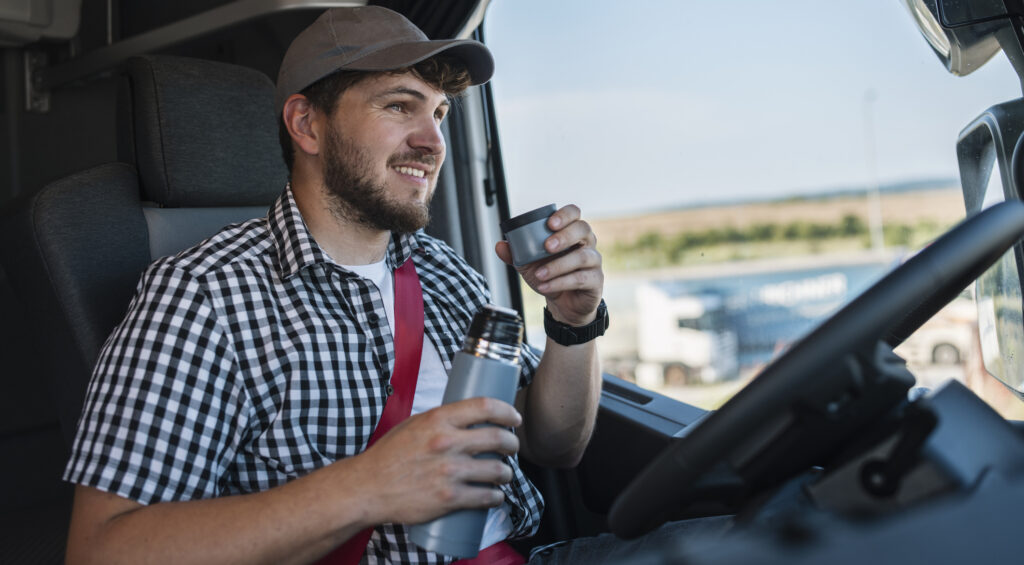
(430, 385)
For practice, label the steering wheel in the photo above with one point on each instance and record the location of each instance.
(891, 310)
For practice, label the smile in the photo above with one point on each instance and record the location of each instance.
(411, 171)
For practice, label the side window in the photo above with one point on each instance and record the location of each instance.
(748, 167)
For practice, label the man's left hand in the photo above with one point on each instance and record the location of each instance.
(572, 280)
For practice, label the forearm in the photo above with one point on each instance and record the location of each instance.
(423, 468)
(561, 405)
(294, 523)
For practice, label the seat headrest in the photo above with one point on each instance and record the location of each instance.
(205, 133)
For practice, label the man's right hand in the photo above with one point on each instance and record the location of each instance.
(424, 467)
(418, 471)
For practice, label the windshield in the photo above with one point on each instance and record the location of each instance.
(777, 156)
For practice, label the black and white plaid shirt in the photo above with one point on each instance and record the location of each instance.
(253, 359)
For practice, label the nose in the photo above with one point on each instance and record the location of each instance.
(427, 137)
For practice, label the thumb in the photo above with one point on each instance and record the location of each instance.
(504, 252)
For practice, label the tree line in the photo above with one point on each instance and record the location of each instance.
(674, 248)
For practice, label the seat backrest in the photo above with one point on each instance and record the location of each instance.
(205, 140)
(206, 155)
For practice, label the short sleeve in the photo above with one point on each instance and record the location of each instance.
(529, 358)
(163, 413)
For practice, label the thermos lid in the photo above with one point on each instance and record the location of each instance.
(497, 324)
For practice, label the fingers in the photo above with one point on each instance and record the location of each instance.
(482, 497)
(470, 463)
(441, 460)
(578, 270)
(489, 439)
(569, 232)
(472, 426)
(477, 471)
(572, 277)
(565, 216)
(457, 494)
(576, 232)
(470, 411)
(577, 263)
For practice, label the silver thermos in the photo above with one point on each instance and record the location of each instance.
(487, 365)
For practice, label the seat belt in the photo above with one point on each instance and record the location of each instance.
(398, 406)
(500, 553)
(408, 350)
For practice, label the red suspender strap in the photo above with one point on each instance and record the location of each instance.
(408, 347)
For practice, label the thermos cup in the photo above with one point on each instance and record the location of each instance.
(526, 234)
(487, 365)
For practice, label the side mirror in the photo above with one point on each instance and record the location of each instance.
(991, 157)
(963, 33)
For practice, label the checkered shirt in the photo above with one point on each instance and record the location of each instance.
(253, 359)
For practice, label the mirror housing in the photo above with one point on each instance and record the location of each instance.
(965, 34)
(990, 151)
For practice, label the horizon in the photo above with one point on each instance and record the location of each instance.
(897, 187)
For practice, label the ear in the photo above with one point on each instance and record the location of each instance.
(300, 117)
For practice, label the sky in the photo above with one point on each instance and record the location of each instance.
(623, 107)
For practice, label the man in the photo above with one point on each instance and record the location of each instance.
(228, 416)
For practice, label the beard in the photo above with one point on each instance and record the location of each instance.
(355, 196)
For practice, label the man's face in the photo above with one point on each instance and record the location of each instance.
(383, 150)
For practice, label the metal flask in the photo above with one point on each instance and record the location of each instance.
(487, 365)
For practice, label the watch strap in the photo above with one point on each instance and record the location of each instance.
(564, 334)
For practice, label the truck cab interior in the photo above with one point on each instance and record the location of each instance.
(135, 130)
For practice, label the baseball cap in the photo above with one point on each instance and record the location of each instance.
(368, 38)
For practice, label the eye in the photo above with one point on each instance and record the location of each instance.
(396, 106)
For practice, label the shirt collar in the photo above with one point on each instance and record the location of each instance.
(296, 249)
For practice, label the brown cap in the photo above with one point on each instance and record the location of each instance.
(368, 38)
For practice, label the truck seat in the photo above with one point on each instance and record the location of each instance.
(203, 137)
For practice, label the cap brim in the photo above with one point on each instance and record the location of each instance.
(473, 54)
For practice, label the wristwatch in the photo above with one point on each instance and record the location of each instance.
(564, 334)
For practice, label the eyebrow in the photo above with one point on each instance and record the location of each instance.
(409, 92)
